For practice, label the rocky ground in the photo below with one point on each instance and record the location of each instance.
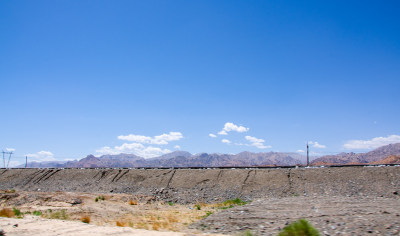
(330, 215)
(337, 201)
(61, 213)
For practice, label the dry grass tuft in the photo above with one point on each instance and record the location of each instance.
(7, 212)
(85, 219)
(120, 223)
(133, 202)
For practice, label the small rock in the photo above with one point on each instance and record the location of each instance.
(76, 201)
(15, 226)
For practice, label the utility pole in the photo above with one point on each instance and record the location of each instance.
(4, 160)
(9, 157)
(26, 161)
(308, 158)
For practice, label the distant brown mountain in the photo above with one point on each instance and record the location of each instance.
(383, 155)
(183, 159)
(359, 158)
(387, 160)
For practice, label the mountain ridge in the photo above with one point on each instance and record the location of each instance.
(248, 159)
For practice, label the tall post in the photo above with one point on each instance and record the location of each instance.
(26, 161)
(9, 158)
(308, 157)
(4, 160)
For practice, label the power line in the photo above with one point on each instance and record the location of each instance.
(4, 159)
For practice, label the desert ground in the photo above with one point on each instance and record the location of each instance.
(62, 213)
(336, 201)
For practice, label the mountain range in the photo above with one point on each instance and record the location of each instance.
(384, 155)
(375, 155)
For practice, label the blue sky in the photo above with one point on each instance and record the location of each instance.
(148, 77)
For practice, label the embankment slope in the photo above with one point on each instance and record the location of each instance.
(208, 185)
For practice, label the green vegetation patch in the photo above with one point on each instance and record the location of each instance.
(99, 198)
(17, 212)
(37, 213)
(299, 228)
(232, 202)
(61, 215)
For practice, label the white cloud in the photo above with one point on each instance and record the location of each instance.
(256, 142)
(222, 132)
(300, 151)
(212, 135)
(159, 139)
(10, 149)
(41, 156)
(316, 144)
(14, 163)
(177, 147)
(232, 127)
(372, 143)
(226, 141)
(134, 148)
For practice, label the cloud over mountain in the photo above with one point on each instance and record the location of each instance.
(142, 145)
(372, 143)
(41, 156)
(256, 142)
(159, 139)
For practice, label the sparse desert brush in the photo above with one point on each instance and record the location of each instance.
(17, 212)
(236, 201)
(99, 198)
(249, 233)
(85, 219)
(208, 213)
(37, 213)
(7, 212)
(156, 225)
(299, 228)
(231, 203)
(133, 202)
(61, 215)
(120, 223)
(197, 206)
(172, 219)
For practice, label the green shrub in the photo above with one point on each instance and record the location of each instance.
(236, 201)
(171, 203)
(232, 202)
(37, 213)
(198, 207)
(17, 212)
(299, 228)
(247, 233)
(208, 213)
(99, 198)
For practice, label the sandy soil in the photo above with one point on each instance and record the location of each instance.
(61, 213)
(34, 225)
